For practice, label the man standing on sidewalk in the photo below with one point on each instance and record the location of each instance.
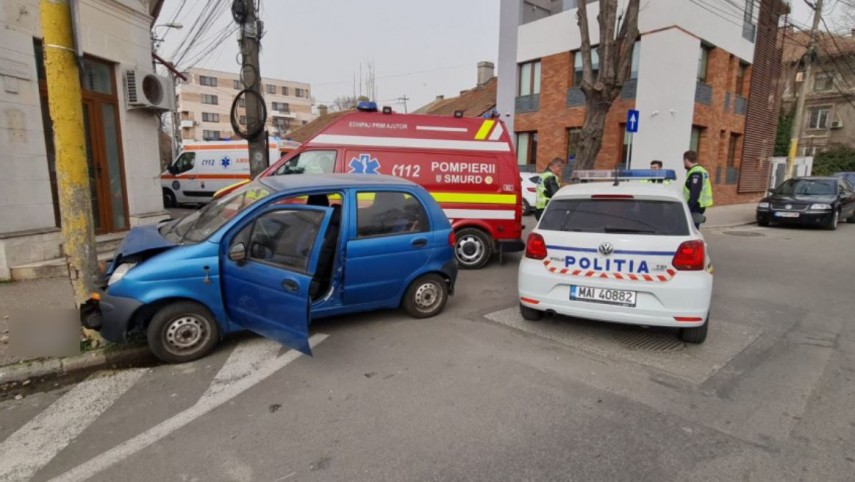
(698, 190)
(548, 185)
(656, 166)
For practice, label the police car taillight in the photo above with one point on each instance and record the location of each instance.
(535, 247)
(689, 256)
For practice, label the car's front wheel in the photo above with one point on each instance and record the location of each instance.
(181, 332)
(696, 334)
(426, 296)
(833, 221)
(762, 222)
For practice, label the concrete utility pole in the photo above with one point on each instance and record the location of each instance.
(72, 168)
(258, 152)
(404, 99)
(798, 119)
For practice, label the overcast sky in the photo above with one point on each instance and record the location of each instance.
(420, 49)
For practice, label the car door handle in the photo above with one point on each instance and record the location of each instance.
(421, 242)
(290, 285)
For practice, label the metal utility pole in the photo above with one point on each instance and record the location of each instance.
(72, 169)
(251, 30)
(404, 99)
(798, 119)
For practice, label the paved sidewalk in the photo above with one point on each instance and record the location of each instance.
(732, 215)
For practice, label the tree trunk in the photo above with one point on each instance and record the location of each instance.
(592, 131)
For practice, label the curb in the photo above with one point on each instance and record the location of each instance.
(731, 225)
(56, 367)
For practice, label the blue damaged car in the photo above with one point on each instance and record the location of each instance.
(274, 255)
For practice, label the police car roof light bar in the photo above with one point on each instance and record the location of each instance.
(625, 174)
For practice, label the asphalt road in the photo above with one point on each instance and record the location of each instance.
(476, 394)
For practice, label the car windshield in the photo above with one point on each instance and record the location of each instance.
(808, 187)
(309, 162)
(196, 227)
(626, 216)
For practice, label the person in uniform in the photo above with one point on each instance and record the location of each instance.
(698, 190)
(548, 185)
(656, 166)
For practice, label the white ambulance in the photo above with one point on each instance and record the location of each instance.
(203, 168)
(622, 252)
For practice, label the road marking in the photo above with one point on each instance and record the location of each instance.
(35, 444)
(109, 458)
(245, 359)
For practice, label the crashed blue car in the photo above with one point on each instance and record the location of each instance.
(274, 255)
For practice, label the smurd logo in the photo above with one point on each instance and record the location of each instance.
(364, 164)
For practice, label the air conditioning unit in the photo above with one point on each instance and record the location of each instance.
(148, 91)
(187, 124)
(837, 124)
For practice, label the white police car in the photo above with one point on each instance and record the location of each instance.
(623, 252)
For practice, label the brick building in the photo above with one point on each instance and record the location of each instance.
(695, 72)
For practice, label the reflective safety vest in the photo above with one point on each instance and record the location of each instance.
(705, 199)
(542, 200)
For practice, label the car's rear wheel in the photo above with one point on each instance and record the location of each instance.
(473, 249)
(169, 200)
(426, 296)
(833, 221)
(530, 314)
(526, 208)
(181, 332)
(697, 334)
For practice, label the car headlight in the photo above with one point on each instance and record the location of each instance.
(820, 207)
(120, 273)
(763, 205)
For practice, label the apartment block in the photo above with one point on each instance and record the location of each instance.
(205, 101)
(702, 75)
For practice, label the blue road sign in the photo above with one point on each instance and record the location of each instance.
(632, 118)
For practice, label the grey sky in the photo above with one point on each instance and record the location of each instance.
(419, 48)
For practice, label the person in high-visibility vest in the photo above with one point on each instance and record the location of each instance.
(655, 166)
(698, 190)
(548, 185)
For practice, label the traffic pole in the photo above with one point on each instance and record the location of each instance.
(798, 119)
(69, 134)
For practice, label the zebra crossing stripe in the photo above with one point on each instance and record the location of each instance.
(244, 359)
(205, 404)
(35, 444)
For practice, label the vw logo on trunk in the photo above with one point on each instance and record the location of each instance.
(606, 249)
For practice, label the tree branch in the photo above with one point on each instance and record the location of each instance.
(585, 49)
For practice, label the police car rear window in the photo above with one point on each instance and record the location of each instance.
(618, 216)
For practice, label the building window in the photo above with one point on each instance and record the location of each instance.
(211, 135)
(578, 70)
(271, 89)
(282, 124)
(285, 90)
(740, 79)
(819, 118)
(210, 99)
(210, 117)
(823, 81)
(703, 63)
(300, 92)
(695, 141)
(280, 106)
(530, 78)
(731, 150)
(749, 11)
(236, 84)
(242, 102)
(526, 148)
(636, 60)
(209, 81)
(574, 136)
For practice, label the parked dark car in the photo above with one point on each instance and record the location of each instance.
(849, 176)
(816, 201)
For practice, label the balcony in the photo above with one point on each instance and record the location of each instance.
(187, 124)
(703, 94)
(285, 114)
(527, 103)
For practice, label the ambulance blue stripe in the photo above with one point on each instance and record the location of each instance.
(617, 251)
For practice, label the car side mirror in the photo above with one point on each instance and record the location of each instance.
(237, 253)
(172, 169)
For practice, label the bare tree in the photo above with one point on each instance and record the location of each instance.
(618, 35)
(344, 102)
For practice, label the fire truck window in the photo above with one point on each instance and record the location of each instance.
(309, 162)
(389, 214)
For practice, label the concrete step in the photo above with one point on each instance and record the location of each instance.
(51, 268)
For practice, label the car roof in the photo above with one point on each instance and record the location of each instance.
(635, 188)
(332, 181)
(816, 178)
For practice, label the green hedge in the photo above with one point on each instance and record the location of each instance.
(833, 160)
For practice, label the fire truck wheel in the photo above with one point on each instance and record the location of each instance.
(474, 248)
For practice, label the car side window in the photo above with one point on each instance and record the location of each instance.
(185, 162)
(285, 238)
(386, 213)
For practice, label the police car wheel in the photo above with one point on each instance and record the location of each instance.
(182, 332)
(426, 296)
(530, 314)
(169, 200)
(473, 249)
(697, 334)
(526, 208)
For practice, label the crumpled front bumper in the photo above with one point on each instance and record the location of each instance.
(111, 315)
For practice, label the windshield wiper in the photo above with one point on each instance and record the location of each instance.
(609, 229)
